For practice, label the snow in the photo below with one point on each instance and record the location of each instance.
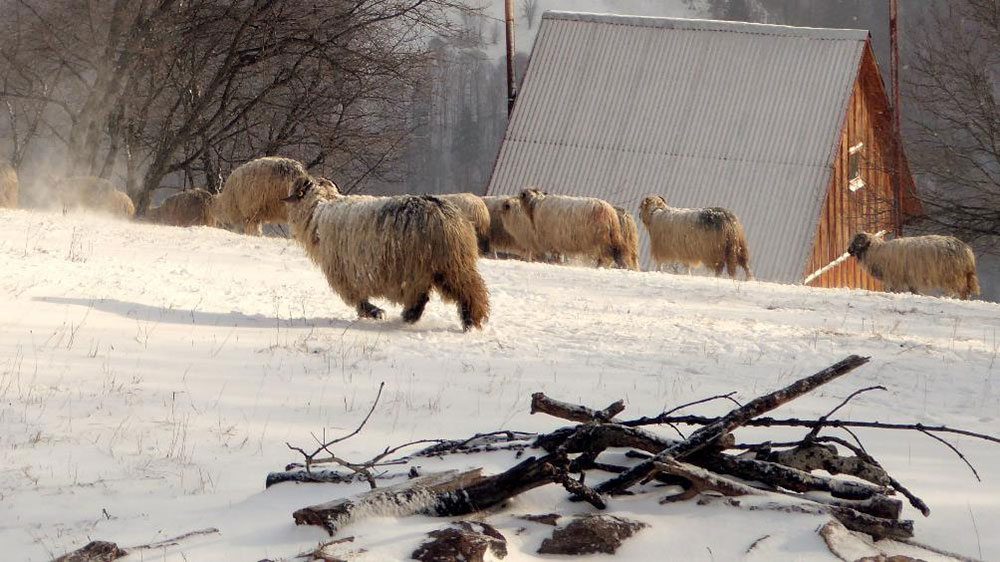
(150, 378)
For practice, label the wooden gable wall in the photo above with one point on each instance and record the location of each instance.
(870, 208)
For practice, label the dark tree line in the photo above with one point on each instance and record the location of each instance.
(158, 89)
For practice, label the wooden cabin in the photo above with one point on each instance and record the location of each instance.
(786, 126)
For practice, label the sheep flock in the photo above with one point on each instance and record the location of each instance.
(403, 248)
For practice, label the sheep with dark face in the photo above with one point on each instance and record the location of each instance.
(192, 207)
(475, 211)
(630, 235)
(919, 264)
(711, 236)
(8, 186)
(396, 248)
(570, 226)
(252, 193)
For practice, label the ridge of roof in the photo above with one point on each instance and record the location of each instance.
(691, 24)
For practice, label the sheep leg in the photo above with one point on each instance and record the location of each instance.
(368, 310)
(413, 312)
(252, 228)
(465, 311)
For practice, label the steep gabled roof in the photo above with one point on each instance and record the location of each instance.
(706, 113)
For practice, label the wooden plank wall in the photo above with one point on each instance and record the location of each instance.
(870, 208)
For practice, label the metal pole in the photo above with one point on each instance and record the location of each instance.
(897, 136)
(511, 82)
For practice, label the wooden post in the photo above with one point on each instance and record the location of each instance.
(511, 82)
(897, 136)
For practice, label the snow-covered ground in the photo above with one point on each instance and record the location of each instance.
(150, 377)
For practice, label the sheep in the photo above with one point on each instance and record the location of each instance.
(397, 248)
(581, 226)
(919, 263)
(82, 191)
(474, 209)
(630, 233)
(251, 195)
(116, 203)
(96, 194)
(711, 236)
(192, 207)
(8, 186)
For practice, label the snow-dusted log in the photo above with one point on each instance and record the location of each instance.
(540, 403)
(94, 551)
(706, 435)
(443, 495)
(704, 480)
(789, 478)
(416, 496)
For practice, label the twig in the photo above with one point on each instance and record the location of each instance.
(754, 544)
(362, 469)
(654, 420)
(173, 541)
(795, 422)
(578, 488)
(819, 423)
(956, 451)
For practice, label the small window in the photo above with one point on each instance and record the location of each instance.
(857, 156)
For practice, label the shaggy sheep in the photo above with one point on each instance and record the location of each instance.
(116, 203)
(919, 264)
(501, 241)
(712, 237)
(96, 194)
(630, 233)
(571, 226)
(474, 209)
(252, 192)
(86, 192)
(397, 248)
(8, 186)
(192, 207)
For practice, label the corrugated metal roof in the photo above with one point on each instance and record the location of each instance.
(705, 113)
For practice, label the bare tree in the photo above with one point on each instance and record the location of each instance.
(955, 145)
(529, 10)
(191, 89)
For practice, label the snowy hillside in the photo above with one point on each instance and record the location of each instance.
(150, 378)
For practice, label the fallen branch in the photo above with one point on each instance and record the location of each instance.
(573, 412)
(795, 422)
(104, 551)
(443, 495)
(709, 433)
(704, 480)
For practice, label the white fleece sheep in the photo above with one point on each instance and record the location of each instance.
(252, 192)
(8, 186)
(569, 226)
(711, 236)
(397, 248)
(919, 264)
(630, 235)
(475, 211)
(95, 194)
(191, 207)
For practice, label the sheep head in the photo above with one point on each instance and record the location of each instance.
(529, 198)
(650, 204)
(860, 244)
(300, 189)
